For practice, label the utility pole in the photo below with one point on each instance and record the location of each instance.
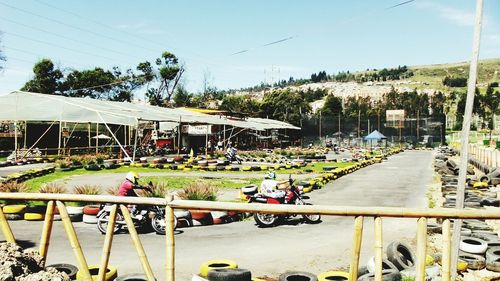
(418, 125)
(320, 125)
(464, 151)
(339, 129)
(359, 122)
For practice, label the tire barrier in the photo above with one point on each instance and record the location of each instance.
(400, 255)
(297, 275)
(111, 273)
(33, 217)
(89, 219)
(229, 274)
(475, 262)
(333, 275)
(387, 275)
(69, 269)
(132, 277)
(216, 264)
(14, 209)
(473, 245)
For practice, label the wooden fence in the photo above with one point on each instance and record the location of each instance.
(359, 213)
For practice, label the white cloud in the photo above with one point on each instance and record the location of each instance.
(450, 14)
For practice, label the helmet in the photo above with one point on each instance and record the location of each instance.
(132, 176)
(271, 175)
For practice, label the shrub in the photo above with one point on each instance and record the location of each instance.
(158, 190)
(198, 191)
(52, 188)
(87, 189)
(63, 163)
(113, 190)
(14, 186)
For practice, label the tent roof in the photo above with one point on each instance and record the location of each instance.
(26, 106)
(375, 135)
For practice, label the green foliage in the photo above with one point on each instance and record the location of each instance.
(333, 106)
(47, 80)
(87, 189)
(244, 104)
(285, 105)
(320, 77)
(182, 97)
(198, 190)
(455, 82)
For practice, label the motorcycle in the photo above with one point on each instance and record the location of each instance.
(232, 156)
(153, 215)
(293, 196)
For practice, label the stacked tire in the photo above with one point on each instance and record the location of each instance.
(90, 214)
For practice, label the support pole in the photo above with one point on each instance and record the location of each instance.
(445, 261)
(137, 244)
(169, 235)
(7, 232)
(464, 151)
(97, 138)
(90, 138)
(15, 140)
(356, 248)
(135, 142)
(73, 240)
(108, 241)
(421, 248)
(378, 249)
(59, 139)
(25, 132)
(47, 230)
(179, 133)
(206, 142)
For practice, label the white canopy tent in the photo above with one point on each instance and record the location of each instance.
(20, 106)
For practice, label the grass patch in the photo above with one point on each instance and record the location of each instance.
(182, 182)
(3, 158)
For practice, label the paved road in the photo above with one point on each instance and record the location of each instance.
(401, 181)
(5, 171)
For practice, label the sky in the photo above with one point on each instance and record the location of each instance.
(227, 42)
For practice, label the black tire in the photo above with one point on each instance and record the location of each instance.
(387, 275)
(475, 262)
(265, 220)
(400, 255)
(132, 277)
(297, 275)
(311, 219)
(69, 269)
(229, 274)
(433, 228)
(102, 223)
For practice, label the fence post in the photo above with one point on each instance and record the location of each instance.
(421, 248)
(446, 257)
(108, 241)
(7, 232)
(73, 240)
(356, 248)
(169, 235)
(378, 249)
(137, 244)
(47, 230)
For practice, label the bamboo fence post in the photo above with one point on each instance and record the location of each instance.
(356, 248)
(73, 240)
(137, 244)
(7, 232)
(169, 235)
(378, 249)
(47, 230)
(446, 256)
(108, 241)
(421, 248)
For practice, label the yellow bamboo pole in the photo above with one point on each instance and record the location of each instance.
(169, 235)
(356, 248)
(73, 240)
(378, 249)
(108, 241)
(421, 248)
(446, 257)
(47, 230)
(137, 244)
(7, 232)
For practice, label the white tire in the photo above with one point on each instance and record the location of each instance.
(249, 189)
(218, 214)
(90, 219)
(74, 210)
(473, 245)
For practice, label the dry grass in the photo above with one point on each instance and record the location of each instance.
(52, 188)
(158, 190)
(87, 189)
(14, 186)
(198, 191)
(113, 190)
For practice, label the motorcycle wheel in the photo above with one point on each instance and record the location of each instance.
(311, 219)
(158, 224)
(265, 220)
(102, 222)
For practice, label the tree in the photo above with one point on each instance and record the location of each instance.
(2, 56)
(47, 80)
(490, 102)
(439, 110)
(95, 83)
(241, 104)
(167, 76)
(284, 105)
(182, 97)
(476, 107)
(332, 106)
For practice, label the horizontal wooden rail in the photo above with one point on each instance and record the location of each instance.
(263, 208)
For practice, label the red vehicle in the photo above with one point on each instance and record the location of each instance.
(293, 196)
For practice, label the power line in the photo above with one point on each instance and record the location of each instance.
(67, 38)
(59, 46)
(119, 81)
(35, 54)
(75, 27)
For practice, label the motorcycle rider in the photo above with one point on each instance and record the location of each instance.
(269, 185)
(127, 188)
